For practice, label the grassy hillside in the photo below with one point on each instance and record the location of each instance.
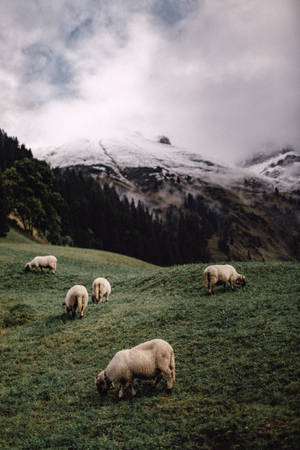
(237, 355)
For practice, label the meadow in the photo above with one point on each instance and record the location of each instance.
(237, 354)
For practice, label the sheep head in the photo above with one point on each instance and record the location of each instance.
(241, 280)
(103, 383)
(68, 308)
(27, 267)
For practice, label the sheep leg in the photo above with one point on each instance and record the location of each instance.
(132, 390)
(231, 284)
(121, 391)
(170, 376)
(158, 379)
(170, 380)
(97, 294)
(74, 307)
(73, 311)
(210, 284)
(210, 288)
(80, 306)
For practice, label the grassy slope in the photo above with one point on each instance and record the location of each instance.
(237, 355)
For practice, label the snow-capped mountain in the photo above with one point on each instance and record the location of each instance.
(122, 157)
(130, 151)
(282, 166)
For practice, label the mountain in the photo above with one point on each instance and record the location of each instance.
(253, 204)
(282, 166)
(118, 156)
(125, 157)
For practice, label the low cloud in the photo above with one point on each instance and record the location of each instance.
(220, 78)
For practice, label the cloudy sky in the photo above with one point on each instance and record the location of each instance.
(220, 77)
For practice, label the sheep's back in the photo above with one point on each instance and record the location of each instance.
(220, 272)
(142, 363)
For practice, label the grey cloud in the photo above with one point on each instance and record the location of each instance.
(173, 11)
(84, 29)
(41, 62)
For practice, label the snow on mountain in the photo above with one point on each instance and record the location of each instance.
(136, 151)
(130, 151)
(282, 166)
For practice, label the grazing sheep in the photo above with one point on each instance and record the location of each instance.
(147, 361)
(222, 273)
(101, 288)
(77, 297)
(42, 262)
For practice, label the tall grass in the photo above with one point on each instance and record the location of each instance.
(237, 355)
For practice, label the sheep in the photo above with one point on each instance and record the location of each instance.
(101, 288)
(77, 297)
(146, 361)
(222, 273)
(47, 262)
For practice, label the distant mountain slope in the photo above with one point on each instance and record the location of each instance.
(282, 166)
(253, 205)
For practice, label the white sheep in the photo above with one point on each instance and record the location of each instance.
(42, 262)
(222, 273)
(77, 297)
(101, 288)
(146, 361)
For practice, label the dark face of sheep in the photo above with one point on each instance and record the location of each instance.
(241, 280)
(68, 308)
(27, 267)
(103, 384)
(100, 383)
(93, 298)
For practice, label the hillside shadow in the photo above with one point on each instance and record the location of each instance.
(52, 324)
(18, 315)
(219, 290)
(58, 319)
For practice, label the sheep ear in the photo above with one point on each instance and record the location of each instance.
(99, 378)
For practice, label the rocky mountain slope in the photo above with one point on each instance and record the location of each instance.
(282, 166)
(255, 204)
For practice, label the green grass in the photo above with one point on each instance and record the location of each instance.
(237, 355)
